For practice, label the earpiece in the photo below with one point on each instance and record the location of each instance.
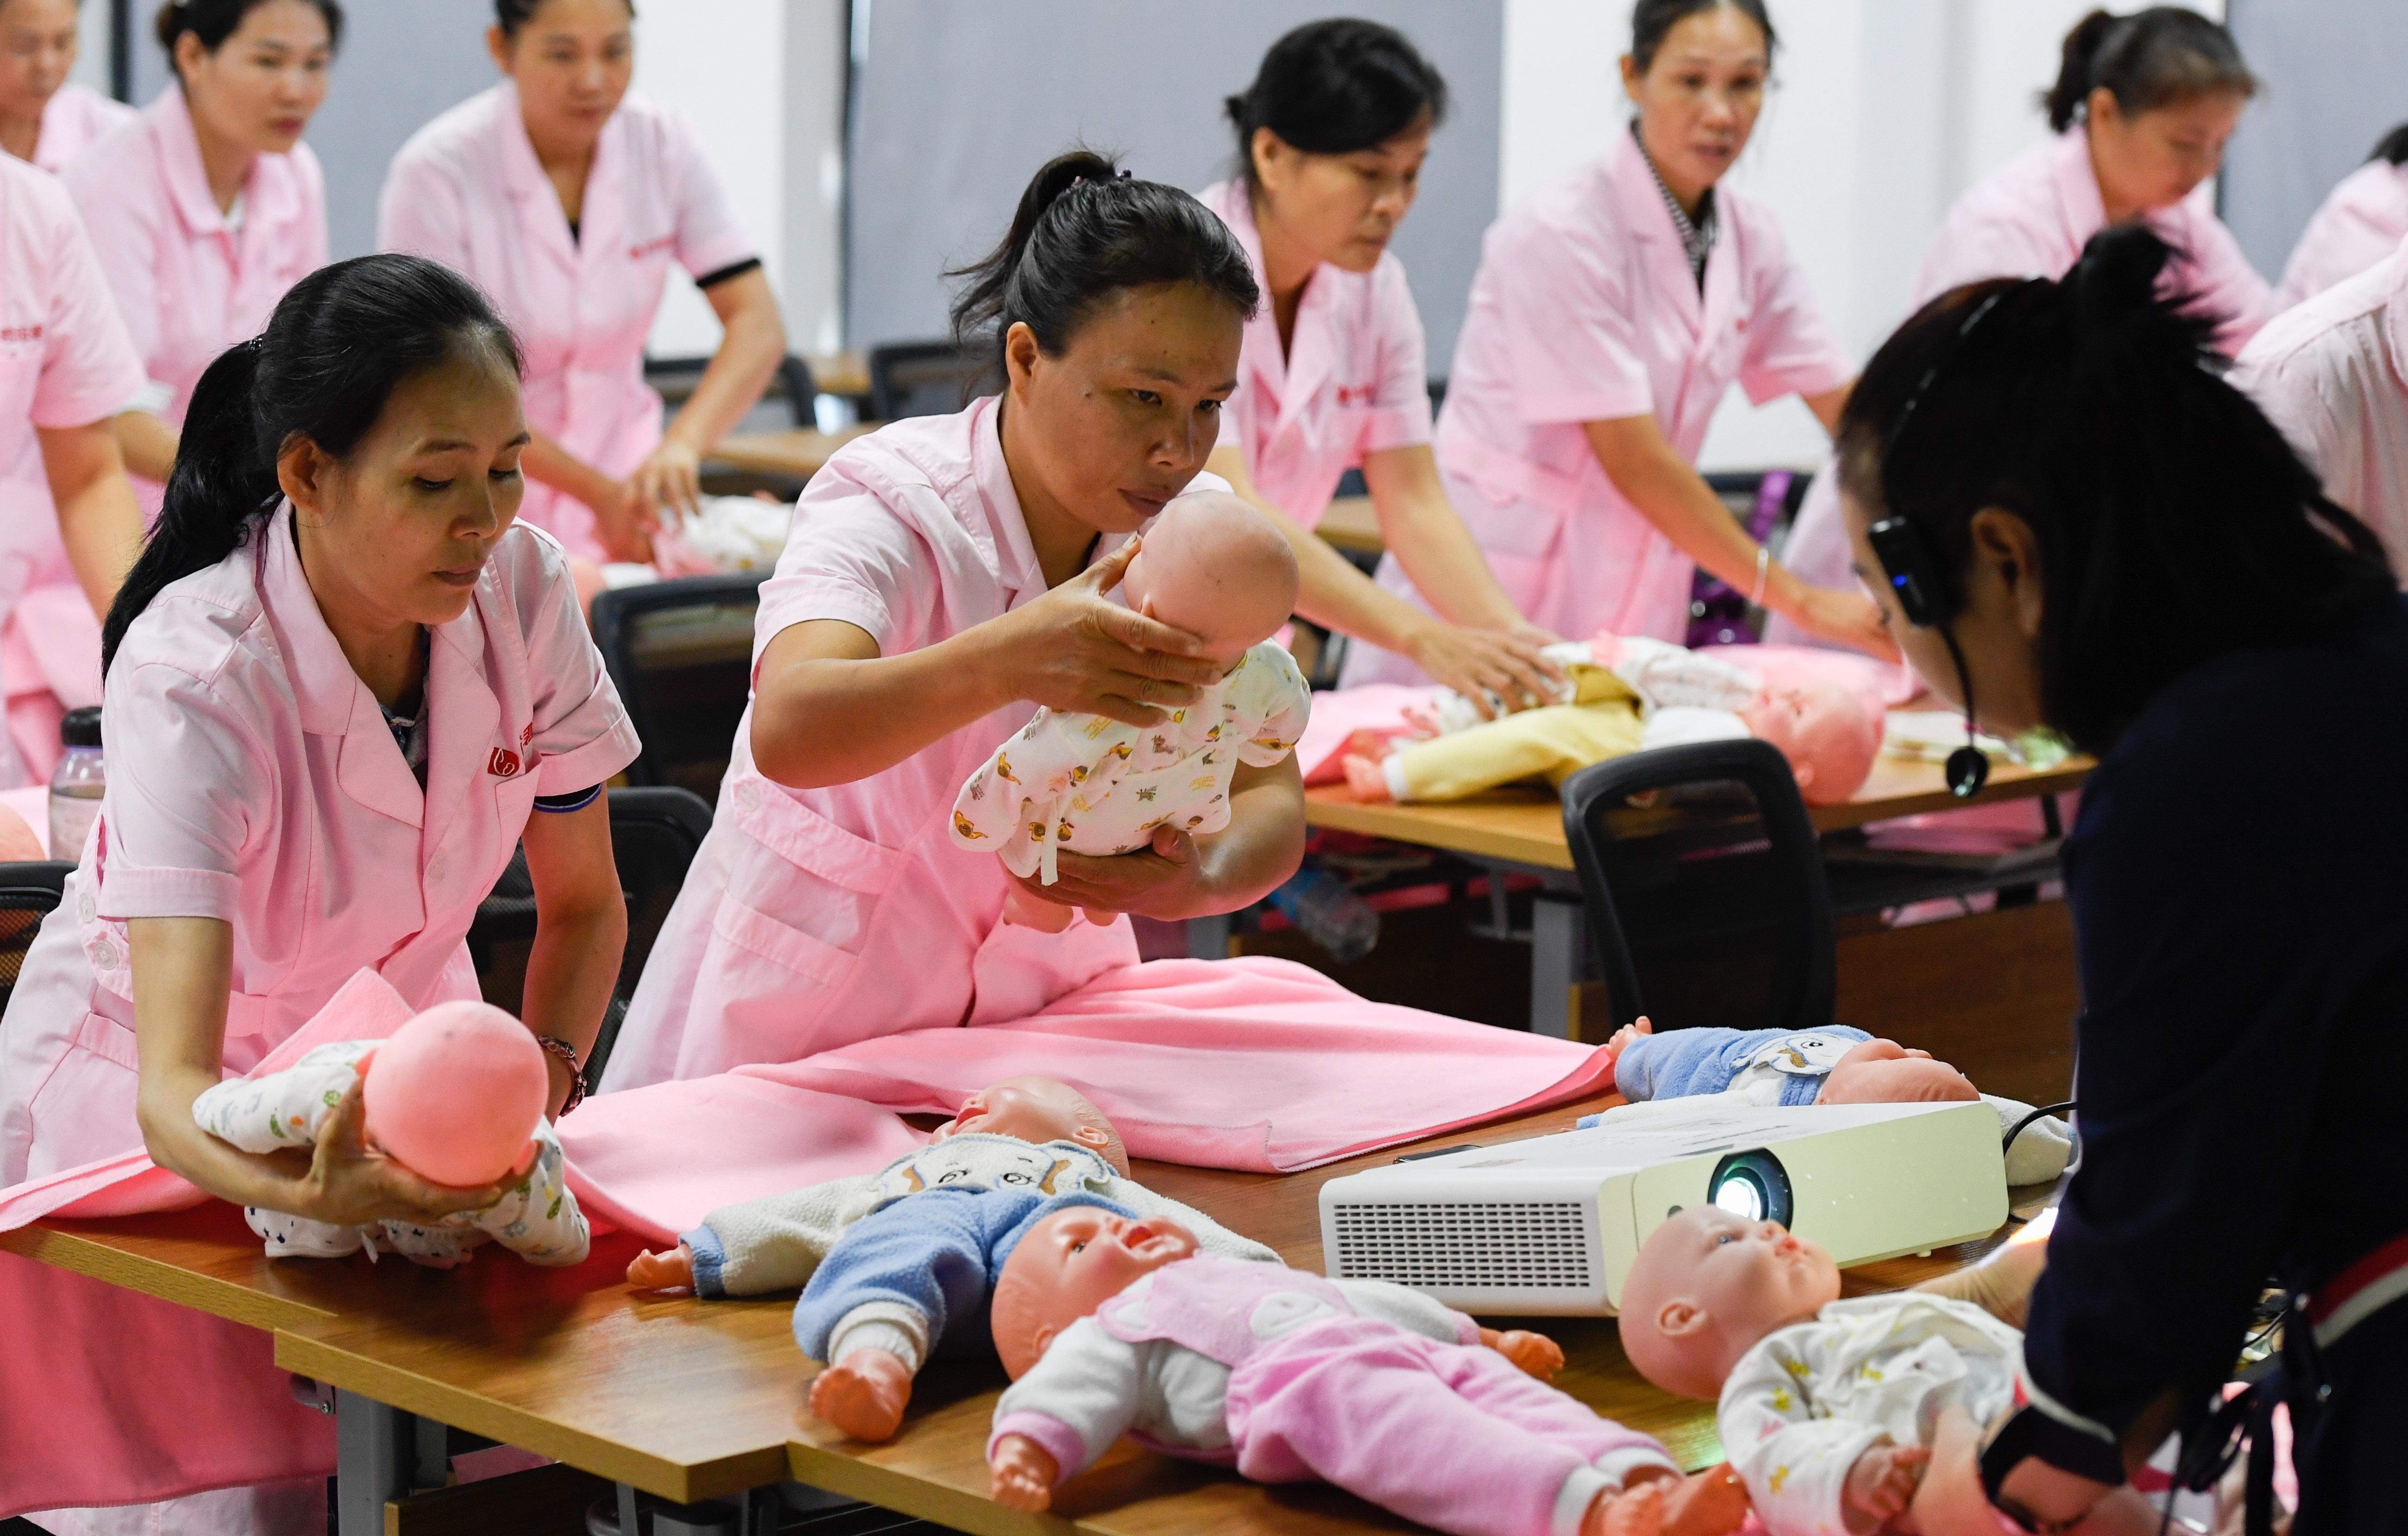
(1914, 575)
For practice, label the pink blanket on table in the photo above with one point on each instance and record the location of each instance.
(1254, 1064)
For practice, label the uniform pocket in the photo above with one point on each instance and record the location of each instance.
(767, 985)
(809, 842)
(84, 1109)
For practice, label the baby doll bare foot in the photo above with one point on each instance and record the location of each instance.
(1709, 1504)
(1628, 1036)
(1633, 1512)
(1023, 1474)
(667, 1270)
(1881, 1486)
(1534, 1354)
(1367, 779)
(863, 1394)
(1031, 912)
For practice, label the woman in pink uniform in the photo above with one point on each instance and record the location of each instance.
(1611, 312)
(2361, 223)
(566, 199)
(1331, 137)
(2141, 109)
(340, 683)
(44, 117)
(944, 572)
(207, 208)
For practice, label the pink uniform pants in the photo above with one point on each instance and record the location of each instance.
(1451, 1435)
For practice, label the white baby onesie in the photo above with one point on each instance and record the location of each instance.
(1094, 785)
(537, 1219)
(1801, 1406)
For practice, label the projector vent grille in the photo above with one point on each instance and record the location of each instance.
(1470, 1246)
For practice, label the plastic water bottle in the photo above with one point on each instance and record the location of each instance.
(76, 786)
(1326, 911)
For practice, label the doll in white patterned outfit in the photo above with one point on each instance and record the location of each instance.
(457, 1097)
(1215, 567)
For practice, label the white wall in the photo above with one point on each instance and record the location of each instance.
(1882, 112)
(91, 46)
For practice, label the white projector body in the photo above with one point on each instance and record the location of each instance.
(1550, 1225)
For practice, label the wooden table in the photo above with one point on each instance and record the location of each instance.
(692, 1400)
(839, 373)
(1351, 524)
(797, 454)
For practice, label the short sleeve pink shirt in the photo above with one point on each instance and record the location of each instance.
(1353, 379)
(76, 118)
(468, 191)
(2361, 223)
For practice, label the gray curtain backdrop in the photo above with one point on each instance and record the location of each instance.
(2335, 82)
(402, 62)
(957, 102)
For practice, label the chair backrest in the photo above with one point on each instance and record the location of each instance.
(27, 893)
(925, 378)
(654, 835)
(681, 655)
(675, 378)
(1714, 890)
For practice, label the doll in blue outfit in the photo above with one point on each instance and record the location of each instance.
(1834, 1065)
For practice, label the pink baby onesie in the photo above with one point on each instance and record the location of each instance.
(1451, 1434)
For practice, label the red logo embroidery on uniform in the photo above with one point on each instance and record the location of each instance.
(504, 764)
(20, 333)
(638, 252)
(526, 734)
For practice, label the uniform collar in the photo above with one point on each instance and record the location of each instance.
(1015, 553)
(1637, 198)
(531, 192)
(1294, 373)
(269, 196)
(2396, 312)
(332, 699)
(2078, 202)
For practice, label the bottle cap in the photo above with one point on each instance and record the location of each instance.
(82, 728)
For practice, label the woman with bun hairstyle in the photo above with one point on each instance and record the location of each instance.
(2360, 223)
(2141, 109)
(2074, 522)
(209, 207)
(342, 687)
(568, 198)
(1611, 312)
(44, 118)
(1331, 138)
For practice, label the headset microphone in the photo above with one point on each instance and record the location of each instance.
(1914, 578)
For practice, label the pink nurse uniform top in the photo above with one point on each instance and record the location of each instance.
(2032, 218)
(2361, 223)
(1586, 309)
(76, 118)
(468, 191)
(1351, 379)
(2333, 375)
(65, 361)
(253, 779)
(814, 918)
(189, 282)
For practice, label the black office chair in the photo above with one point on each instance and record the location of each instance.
(1716, 888)
(676, 378)
(680, 654)
(27, 893)
(925, 379)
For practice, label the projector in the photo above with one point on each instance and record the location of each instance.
(1550, 1225)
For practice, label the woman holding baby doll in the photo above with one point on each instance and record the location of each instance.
(946, 572)
(1331, 138)
(2074, 522)
(341, 687)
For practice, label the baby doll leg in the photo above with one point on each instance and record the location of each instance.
(1551, 743)
(1029, 912)
(1452, 1436)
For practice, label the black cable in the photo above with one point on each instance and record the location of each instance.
(2025, 1124)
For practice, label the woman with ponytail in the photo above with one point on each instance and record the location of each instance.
(2074, 522)
(209, 207)
(2362, 221)
(2139, 114)
(342, 686)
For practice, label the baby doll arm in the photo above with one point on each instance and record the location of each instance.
(1796, 1466)
(1077, 1399)
(1276, 707)
(776, 1243)
(281, 1110)
(538, 1219)
(1670, 676)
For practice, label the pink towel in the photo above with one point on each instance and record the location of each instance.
(1376, 707)
(1252, 1064)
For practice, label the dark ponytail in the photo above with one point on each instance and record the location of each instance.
(2175, 523)
(2393, 147)
(1653, 20)
(334, 352)
(214, 21)
(1083, 232)
(2150, 59)
(1336, 86)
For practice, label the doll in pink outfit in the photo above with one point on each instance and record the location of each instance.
(1623, 694)
(1109, 1325)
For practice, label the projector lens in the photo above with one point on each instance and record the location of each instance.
(1752, 1187)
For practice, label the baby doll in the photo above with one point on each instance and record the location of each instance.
(1832, 1066)
(1623, 694)
(1827, 1407)
(1211, 565)
(1109, 1325)
(891, 1262)
(457, 1097)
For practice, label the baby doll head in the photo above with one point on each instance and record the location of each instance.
(1882, 1072)
(1066, 1266)
(1706, 1286)
(18, 844)
(1827, 734)
(456, 1094)
(1037, 1110)
(1215, 567)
